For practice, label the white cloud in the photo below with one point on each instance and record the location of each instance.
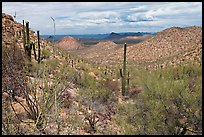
(140, 17)
(170, 9)
(98, 17)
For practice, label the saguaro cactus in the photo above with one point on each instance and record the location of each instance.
(33, 45)
(39, 58)
(24, 37)
(124, 71)
(128, 81)
(28, 46)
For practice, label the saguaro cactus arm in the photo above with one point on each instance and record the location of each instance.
(121, 73)
(33, 45)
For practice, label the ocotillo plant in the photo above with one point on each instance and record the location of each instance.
(28, 46)
(39, 58)
(124, 71)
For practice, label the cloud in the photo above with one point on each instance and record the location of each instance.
(139, 18)
(96, 14)
(104, 17)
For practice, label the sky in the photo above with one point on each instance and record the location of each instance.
(104, 17)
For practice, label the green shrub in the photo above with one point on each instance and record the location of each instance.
(169, 104)
(45, 53)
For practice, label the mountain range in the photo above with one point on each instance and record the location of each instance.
(97, 37)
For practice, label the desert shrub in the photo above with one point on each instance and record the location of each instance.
(45, 53)
(68, 74)
(125, 118)
(53, 65)
(102, 95)
(87, 80)
(49, 67)
(91, 94)
(93, 90)
(170, 102)
(84, 67)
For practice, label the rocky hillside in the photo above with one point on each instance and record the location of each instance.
(27, 89)
(12, 29)
(69, 42)
(140, 38)
(171, 46)
(99, 52)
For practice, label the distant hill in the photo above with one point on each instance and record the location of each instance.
(113, 36)
(52, 37)
(69, 42)
(91, 39)
(116, 36)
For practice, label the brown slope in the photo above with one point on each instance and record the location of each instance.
(171, 46)
(69, 43)
(173, 43)
(141, 38)
(97, 52)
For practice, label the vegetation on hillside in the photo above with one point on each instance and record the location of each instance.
(66, 94)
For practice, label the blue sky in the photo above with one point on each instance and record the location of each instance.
(105, 17)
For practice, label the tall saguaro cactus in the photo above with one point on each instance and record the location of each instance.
(24, 37)
(38, 35)
(28, 45)
(124, 71)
